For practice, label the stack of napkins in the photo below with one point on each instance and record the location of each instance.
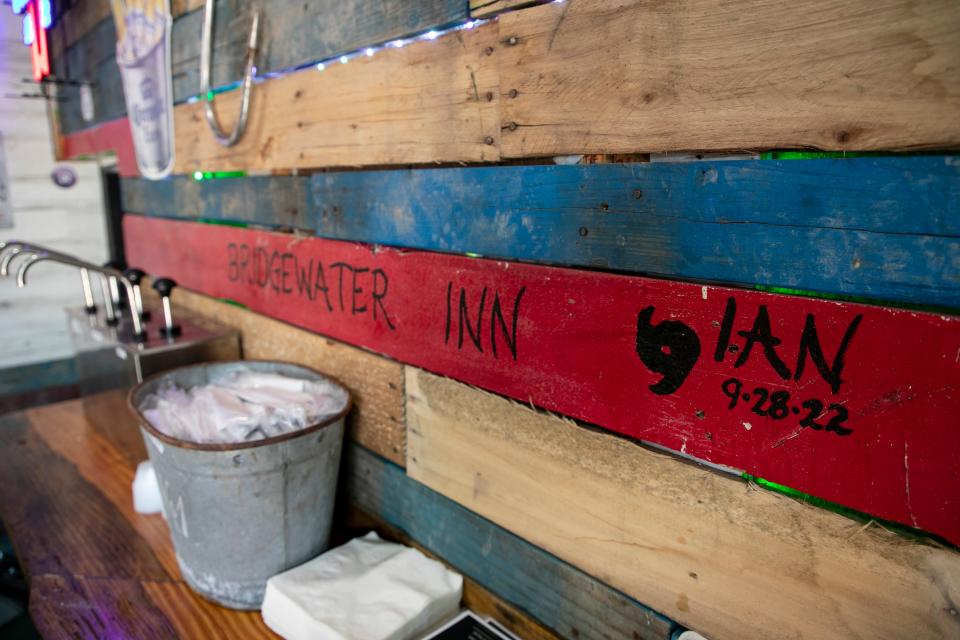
(368, 589)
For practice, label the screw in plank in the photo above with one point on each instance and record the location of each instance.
(488, 140)
(513, 93)
(513, 41)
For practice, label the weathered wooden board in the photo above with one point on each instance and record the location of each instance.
(375, 383)
(96, 567)
(93, 61)
(851, 403)
(487, 8)
(558, 595)
(704, 549)
(610, 76)
(275, 201)
(109, 137)
(429, 102)
(885, 228)
(292, 33)
(80, 19)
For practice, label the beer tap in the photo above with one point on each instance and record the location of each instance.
(106, 273)
(135, 275)
(13, 248)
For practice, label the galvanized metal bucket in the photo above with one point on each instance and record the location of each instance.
(241, 513)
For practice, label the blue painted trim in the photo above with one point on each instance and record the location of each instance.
(882, 228)
(37, 376)
(553, 592)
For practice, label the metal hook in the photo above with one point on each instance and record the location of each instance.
(205, 94)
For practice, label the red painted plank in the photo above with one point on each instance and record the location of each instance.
(109, 136)
(588, 345)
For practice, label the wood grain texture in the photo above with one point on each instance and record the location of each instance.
(292, 33)
(566, 600)
(723, 558)
(429, 102)
(851, 403)
(703, 75)
(272, 201)
(97, 569)
(489, 8)
(475, 597)
(91, 60)
(375, 383)
(830, 226)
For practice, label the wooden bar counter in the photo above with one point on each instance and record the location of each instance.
(97, 568)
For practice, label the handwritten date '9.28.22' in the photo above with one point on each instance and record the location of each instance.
(672, 349)
(776, 405)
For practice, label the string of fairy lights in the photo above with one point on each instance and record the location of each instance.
(363, 52)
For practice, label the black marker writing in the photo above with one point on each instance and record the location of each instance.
(475, 324)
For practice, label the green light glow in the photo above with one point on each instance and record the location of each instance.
(223, 223)
(853, 514)
(217, 175)
(817, 155)
(858, 299)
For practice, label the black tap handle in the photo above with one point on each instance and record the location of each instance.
(134, 275)
(113, 264)
(164, 286)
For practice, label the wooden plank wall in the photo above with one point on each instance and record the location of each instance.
(519, 73)
(831, 224)
(290, 31)
(588, 345)
(759, 78)
(676, 537)
(582, 532)
(669, 534)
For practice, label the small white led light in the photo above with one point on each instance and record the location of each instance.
(432, 35)
(321, 66)
(344, 59)
(369, 52)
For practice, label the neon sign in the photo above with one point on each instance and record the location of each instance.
(38, 17)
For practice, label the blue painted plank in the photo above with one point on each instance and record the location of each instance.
(883, 228)
(292, 33)
(559, 596)
(37, 376)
